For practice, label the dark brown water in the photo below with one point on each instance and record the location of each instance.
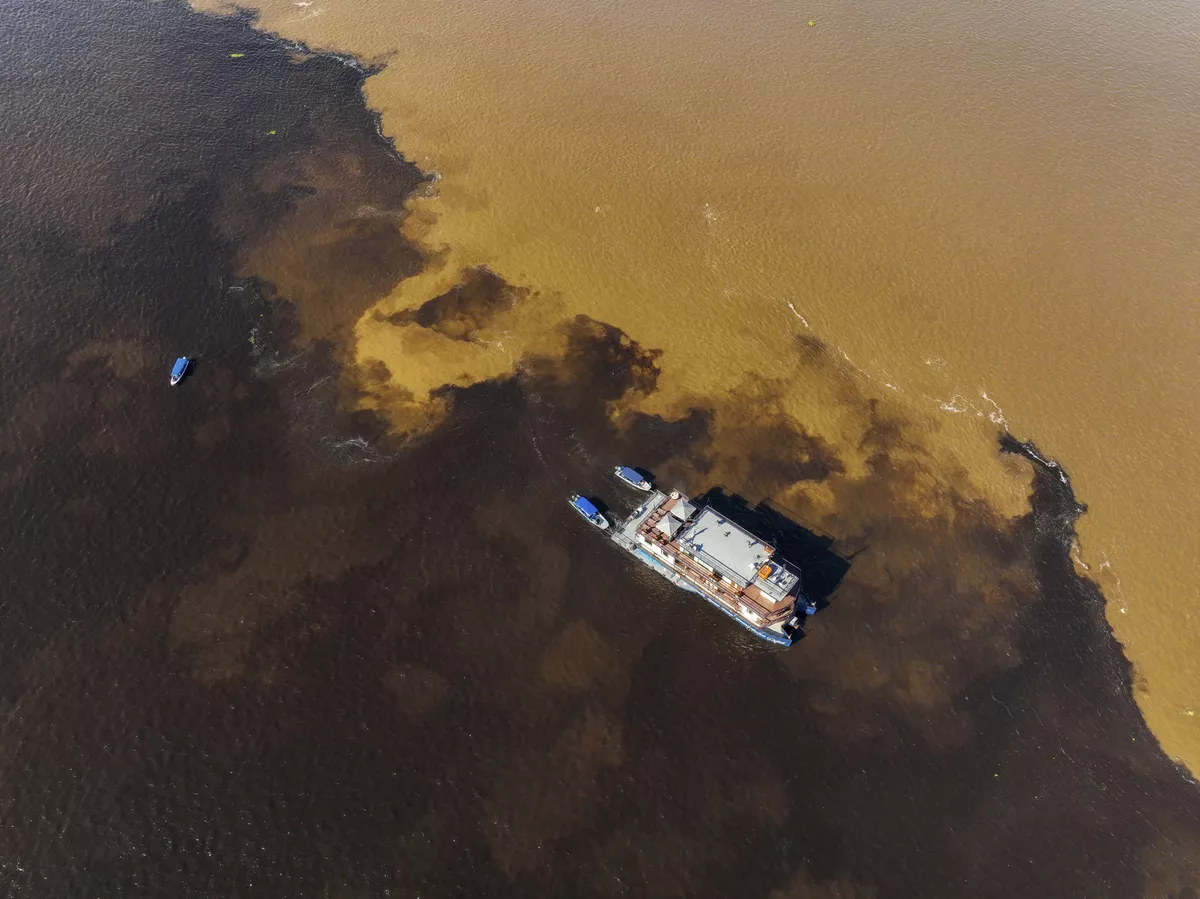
(249, 646)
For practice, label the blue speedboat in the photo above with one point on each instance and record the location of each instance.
(585, 508)
(632, 478)
(180, 369)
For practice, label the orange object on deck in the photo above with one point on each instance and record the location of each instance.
(764, 572)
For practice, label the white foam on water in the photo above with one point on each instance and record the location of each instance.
(956, 404)
(356, 450)
(796, 312)
(369, 211)
(996, 416)
(1106, 565)
(298, 47)
(276, 364)
(1117, 597)
(960, 405)
(1050, 463)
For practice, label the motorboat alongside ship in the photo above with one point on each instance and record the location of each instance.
(632, 478)
(589, 512)
(696, 547)
(180, 369)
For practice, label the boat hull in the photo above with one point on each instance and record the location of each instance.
(640, 484)
(182, 364)
(762, 633)
(630, 535)
(596, 520)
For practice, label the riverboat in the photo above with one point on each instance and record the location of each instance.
(180, 369)
(632, 478)
(696, 547)
(589, 512)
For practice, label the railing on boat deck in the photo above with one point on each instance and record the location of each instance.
(701, 578)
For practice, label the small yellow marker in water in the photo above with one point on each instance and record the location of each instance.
(811, 23)
(272, 131)
(236, 55)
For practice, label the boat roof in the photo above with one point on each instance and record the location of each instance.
(725, 547)
(669, 526)
(180, 365)
(683, 510)
(585, 506)
(776, 581)
(630, 474)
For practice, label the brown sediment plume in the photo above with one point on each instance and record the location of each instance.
(874, 474)
(936, 602)
(997, 240)
(272, 645)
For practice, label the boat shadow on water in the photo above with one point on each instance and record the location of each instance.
(821, 567)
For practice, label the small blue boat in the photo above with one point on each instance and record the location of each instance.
(585, 508)
(632, 478)
(180, 369)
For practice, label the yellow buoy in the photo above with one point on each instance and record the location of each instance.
(236, 55)
(811, 23)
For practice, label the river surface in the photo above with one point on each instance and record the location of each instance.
(991, 209)
(318, 622)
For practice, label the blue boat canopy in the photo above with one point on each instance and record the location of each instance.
(586, 507)
(630, 475)
(181, 365)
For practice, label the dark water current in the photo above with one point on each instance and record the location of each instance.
(251, 647)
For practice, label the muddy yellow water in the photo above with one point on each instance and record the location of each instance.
(989, 211)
